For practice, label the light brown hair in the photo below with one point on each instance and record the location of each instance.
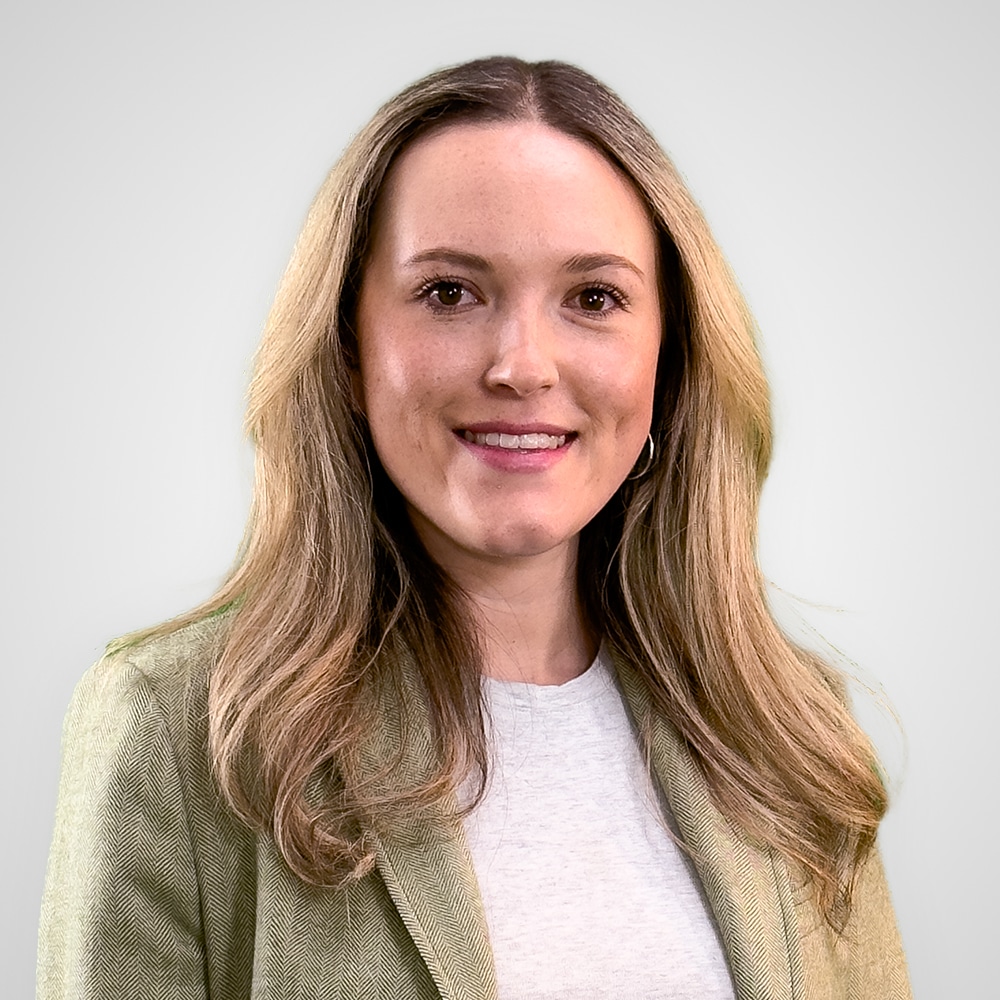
(332, 586)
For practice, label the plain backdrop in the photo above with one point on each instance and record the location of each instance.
(158, 161)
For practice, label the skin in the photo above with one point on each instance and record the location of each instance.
(511, 285)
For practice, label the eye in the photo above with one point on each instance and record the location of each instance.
(599, 299)
(446, 294)
(594, 299)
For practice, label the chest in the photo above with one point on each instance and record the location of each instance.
(571, 843)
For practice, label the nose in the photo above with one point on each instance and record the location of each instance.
(523, 357)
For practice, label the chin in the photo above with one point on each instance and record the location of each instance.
(492, 540)
(519, 541)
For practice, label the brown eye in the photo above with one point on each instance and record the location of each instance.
(448, 293)
(593, 299)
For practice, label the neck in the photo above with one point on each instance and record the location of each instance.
(527, 610)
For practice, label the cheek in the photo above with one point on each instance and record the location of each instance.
(645, 370)
(387, 374)
(394, 402)
(410, 374)
(391, 379)
(406, 397)
(643, 388)
(630, 388)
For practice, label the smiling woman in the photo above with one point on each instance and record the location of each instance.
(494, 677)
(508, 327)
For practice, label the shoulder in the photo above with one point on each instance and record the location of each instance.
(137, 729)
(149, 868)
(170, 664)
(157, 682)
(145, 704)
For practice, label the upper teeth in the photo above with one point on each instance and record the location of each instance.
(522, 441)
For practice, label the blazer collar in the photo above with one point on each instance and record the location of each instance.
(748, 888)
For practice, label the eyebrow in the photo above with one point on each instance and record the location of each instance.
(446, 255)
(593, 261)
(578, 263)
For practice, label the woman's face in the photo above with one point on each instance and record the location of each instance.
(508, 328)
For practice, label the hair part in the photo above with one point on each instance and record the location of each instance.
(332, 587)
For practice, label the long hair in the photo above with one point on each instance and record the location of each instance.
(332, 590)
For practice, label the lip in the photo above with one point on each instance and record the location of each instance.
(507, 427)
(511, 459)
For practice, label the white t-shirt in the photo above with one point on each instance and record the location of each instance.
(586, 894)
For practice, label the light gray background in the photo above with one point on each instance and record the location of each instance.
(158, 160)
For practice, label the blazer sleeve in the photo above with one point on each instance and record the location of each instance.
(121, 915)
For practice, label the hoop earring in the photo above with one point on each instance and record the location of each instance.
(649, 461)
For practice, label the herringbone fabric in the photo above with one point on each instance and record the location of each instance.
(155, 892)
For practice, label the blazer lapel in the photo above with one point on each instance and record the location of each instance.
(748, 888)
(426, 865)
(434, 888)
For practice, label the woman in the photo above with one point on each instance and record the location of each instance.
(492, 704)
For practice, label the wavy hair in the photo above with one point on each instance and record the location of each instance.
(331, 576)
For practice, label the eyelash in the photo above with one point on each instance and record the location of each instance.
(430, 283)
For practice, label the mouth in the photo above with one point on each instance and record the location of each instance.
(523, 439)
(517, 442)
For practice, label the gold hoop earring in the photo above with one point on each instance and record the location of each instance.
(649, 460)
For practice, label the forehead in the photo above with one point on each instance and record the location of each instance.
(510, 187)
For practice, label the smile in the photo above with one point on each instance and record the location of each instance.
(517, 442)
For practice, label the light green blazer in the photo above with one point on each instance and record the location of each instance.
(156, 892)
